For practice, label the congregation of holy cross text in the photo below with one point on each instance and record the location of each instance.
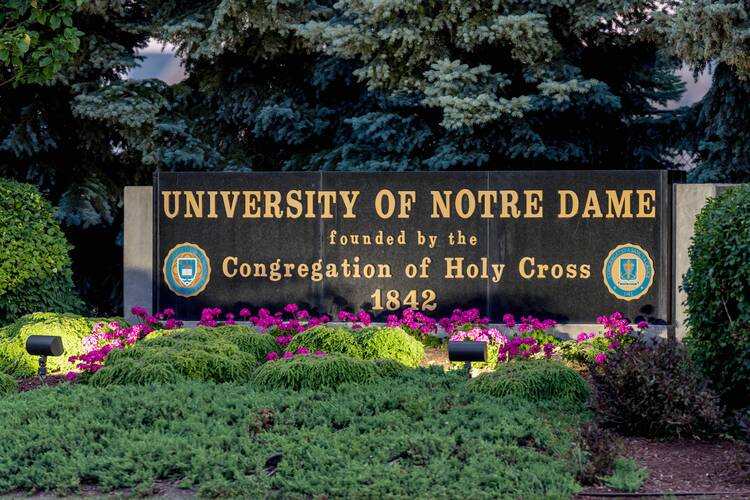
(388, 204)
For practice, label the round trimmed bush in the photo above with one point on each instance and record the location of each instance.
(70, 327)
(718, 295)
(247, 339)
(313, 372)
(201, 354)
(329, 339)
(7, 385)
(35, 272)
(533, 380)
(390, 343)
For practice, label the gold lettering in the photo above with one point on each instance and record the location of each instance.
(441, 204)
(619, 207)
(509, 205)
(194, 204)
(592, 209)
(534, 209)
(230, 206)
(272, 202)
(564, 194)
(349, 198)
(251, 205)
(646, 205)
(166, 195)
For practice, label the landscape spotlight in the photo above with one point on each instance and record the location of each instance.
(43, 346)
(467, 352)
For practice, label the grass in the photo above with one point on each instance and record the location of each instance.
(422, 435)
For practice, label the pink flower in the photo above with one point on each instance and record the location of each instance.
(642, 324)
(70, 376)
(139, 311)
(244, 312)
(291, 308)
(600, 359)
(288, 355)
(169, 312)
(320, 353)
(271, 356)
(303, 350)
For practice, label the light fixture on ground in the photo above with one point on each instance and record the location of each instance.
(467, 352)
(43, 346)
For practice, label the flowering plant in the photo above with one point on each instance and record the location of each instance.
(462, 320)
(416, 324)
(616, 334)
(524, 347)
(105, 338)
(357, 321)
(302, 351)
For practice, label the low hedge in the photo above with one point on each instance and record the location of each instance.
(7, 385)
(202, 354)
(390, 343)
(314, 372)
(533, 380)
(70, 327)
(330, 339)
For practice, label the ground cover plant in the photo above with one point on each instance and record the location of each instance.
(307, 370)
(71, 328)
(411, 437)
(223, 354)
(533, 380)
(7, 385)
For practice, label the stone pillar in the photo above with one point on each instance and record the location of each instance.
(688, 201)
(138, 249)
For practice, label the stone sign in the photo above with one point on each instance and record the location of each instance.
(567, 245)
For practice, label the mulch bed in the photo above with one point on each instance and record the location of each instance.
(29, 383)
(692, 467)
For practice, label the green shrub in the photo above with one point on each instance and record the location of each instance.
(247, 339)
(654, 390)
(313, 372)
(718, 295)
(203, 354)
(425, 435)
(35, 270)
(627, 475)
(533, 380)
(391, 343)
(594, 452)
(71, 328)
(390, 368)
(7, 385)
(328, 339)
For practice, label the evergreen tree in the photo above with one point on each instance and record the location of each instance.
(78, 164)
(709, 33)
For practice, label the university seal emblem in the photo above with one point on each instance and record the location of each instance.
(628, 271)
(187, 269)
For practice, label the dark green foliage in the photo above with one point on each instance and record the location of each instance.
(654, 391)
(71, 328)
(313, 372)
(35, 270)
(718, 295)
(409, 439)
(7, 385)
(390, 368)
(202, 354)
(391, 343)
(327, 339)
(533, 380)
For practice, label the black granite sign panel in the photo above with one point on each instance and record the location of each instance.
(567, 245)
